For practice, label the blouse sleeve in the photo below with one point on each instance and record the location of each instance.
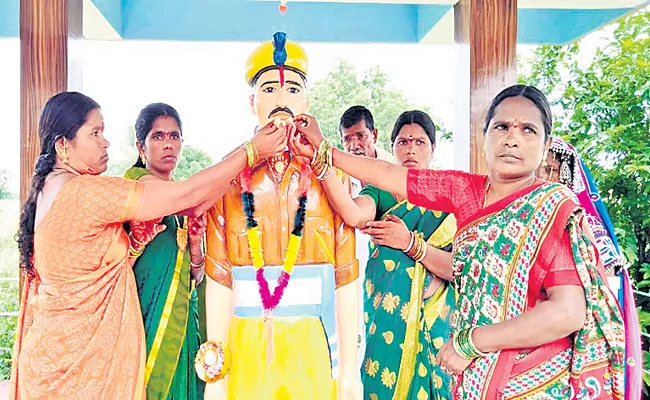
(375, 194)
(562, 268)
(104, 200)
(446, 191)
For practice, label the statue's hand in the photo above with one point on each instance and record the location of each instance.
(349, 387)
(216, 391)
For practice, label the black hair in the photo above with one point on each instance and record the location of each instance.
(147, 117)
(415, 117)
(531, 93)
(62, 116)
(354, 115)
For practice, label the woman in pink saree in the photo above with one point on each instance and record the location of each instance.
(535, 317)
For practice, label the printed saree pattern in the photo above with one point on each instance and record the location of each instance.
(493, 257)
(403, 331)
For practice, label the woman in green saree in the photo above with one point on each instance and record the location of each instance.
(169, 268)
(407, 299)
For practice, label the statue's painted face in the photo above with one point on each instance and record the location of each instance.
(270, 100)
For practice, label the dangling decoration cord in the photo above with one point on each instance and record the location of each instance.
(270, 301)
(283, 7)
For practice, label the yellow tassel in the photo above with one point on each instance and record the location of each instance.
(255, 247)
(292, 253)
(268, 332)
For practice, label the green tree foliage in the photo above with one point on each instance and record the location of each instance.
(127, 155)
(343, 88)
(8, 282)
(4, 185)
(192, 160)
(603, 108)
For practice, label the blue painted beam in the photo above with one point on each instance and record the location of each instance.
(9, 18)
(249, 20)
(553, 26)
(112, 11)
(428, 17)
(256, 21)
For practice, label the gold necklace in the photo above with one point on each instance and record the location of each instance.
(486, 190)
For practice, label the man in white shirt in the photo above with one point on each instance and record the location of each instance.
(359, 137)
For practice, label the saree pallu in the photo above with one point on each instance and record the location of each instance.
(79, 333)
(403, 331)
(170, 312)
(493, 259)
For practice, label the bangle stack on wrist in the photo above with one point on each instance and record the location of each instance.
(252, 156)
(136, 248)
(417, 248)
(322, 161)
(464, 345)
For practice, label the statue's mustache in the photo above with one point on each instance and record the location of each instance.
(281, 109)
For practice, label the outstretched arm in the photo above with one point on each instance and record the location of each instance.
(381, 174)
(161, 198)
(354, 212)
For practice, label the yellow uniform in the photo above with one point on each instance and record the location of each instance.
(304, 339)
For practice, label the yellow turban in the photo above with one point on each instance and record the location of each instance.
(262, 59)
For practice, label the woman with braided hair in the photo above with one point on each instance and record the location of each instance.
(80, 331)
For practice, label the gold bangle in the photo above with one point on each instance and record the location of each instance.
(329, 171)
(322, 160)
(133, 253)
(251, 152)
(326, 152)
(136, 240)
(418, 250)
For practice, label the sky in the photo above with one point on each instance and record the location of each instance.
(204, 82)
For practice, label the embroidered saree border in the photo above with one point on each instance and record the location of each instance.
(407, 363)
(173, 303)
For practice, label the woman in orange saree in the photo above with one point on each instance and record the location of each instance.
(534, 318)
(80, 332)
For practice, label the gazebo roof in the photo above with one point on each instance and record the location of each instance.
(344, 21)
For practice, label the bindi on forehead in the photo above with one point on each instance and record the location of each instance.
(411, 137)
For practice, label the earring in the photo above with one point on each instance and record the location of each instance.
(65, 155)
(142, 158)
(565, 174)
